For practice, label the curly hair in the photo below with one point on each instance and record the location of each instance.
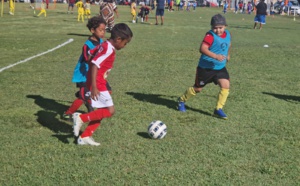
(95, 21)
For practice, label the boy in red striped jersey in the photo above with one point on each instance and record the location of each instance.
(100, 66)
(96, 26)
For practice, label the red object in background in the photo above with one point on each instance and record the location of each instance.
(47, 4)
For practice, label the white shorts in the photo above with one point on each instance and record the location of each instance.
(104, 100)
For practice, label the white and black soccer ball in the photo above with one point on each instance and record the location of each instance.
(157, 129)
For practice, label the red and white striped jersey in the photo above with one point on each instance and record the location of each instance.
(104, 57)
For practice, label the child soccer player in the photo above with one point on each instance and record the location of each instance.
(100, 66)
(80, 10)
(96, 26)
(87, 9)
(133, 11)
(144, 12)
(215, 52)
(43, 10)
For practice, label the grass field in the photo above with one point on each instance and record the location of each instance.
(258, 145)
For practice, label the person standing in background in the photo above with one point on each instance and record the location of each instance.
(107, 10)
(71, 6)
(261, 12)
(160, 10)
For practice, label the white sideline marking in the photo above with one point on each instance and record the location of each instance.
(25, 60)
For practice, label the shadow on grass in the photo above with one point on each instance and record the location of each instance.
(47, 117)
(242, 27)
(144, 135)
(158, 100)
(284, 97)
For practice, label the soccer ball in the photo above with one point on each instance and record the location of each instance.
(157, 129)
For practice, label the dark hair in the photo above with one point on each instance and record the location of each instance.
(95, 21)
(121, 30)
(218, 19)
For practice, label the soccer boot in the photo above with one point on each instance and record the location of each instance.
(67, 117)
(87, 141)
(220, 114)
(181, 106)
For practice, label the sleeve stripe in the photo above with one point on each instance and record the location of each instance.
(102, 58)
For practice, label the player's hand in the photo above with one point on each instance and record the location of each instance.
(94, 94)
(220, 57)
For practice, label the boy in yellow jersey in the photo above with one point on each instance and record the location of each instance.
(133, 11)
(87, 9)
(80, 8)
(215, 53)
(11, 7)
(43, 10)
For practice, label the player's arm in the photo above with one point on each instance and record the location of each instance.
(204, 48)
(85, 52)
(94, 89)
(228, 56)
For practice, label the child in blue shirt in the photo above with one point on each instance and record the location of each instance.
(215, 53)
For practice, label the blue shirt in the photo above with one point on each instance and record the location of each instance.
(160, 4)
(219, 46)
(81, 69)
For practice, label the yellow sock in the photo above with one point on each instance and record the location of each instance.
(223, 94)
(190, 92)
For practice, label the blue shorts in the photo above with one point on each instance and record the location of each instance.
(160, 12)
(260, 19)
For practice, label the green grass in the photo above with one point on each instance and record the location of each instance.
(258, 145)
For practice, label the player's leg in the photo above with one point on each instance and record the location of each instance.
(89, 14)
(200, 81)
(40, 13)
(224, 83)
(86, 137)
(84, 95)
(162, 11)
(146, 17)
(262, 21)
(74, 107)
(81, 96)
(106, 109)
(133, 14)
(156, 16)
(256, 20)
(223, 94)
